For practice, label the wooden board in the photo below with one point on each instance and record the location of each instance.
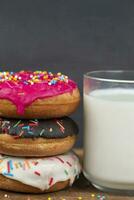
(81, 190)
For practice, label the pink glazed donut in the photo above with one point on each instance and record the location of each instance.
(37, 94)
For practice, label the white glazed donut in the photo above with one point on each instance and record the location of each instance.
(38, 175)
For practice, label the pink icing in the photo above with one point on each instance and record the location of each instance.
(23, 93)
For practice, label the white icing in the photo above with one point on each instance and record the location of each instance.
(51, 169)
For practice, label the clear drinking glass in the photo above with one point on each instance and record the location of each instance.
(109, 130)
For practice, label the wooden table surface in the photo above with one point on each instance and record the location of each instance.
(81, 190)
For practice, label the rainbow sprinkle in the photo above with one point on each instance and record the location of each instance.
(31, 78)
(37, 173)
(66, 172)
(60, 126)
(15, 125)
(51, 181)
(69, 163)
(62, 161)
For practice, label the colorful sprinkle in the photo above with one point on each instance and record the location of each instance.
(26, 127)
(69, 164)
(17, 123)
(75, 171)
(20, 134)
(37, 173)
(6, 196)
(35, 163)
(62, 161)
(66, 172)
(16, 165)
(33, 121)
(1, 168)
(11, 164)
(42, 131)
(101, 197)
(20, 164)
(21, 125)
(50, 129)
(93, 195)
(62, 129)
(8, 167)
(30, 132)
(32, 78)
(8, 174)
(27, 164)
(60, 125)
(51, 181)
(33, 124)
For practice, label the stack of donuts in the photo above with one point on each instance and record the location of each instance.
(36, 134)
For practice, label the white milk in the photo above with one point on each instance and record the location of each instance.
(109, 138)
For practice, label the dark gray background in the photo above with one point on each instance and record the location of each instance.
(72, 36)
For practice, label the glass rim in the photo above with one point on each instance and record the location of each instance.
(91, 75)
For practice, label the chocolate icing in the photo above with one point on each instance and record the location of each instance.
(51, 128)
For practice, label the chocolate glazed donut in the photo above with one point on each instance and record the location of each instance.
(37, 138)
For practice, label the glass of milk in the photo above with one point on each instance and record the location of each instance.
(109, 130)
